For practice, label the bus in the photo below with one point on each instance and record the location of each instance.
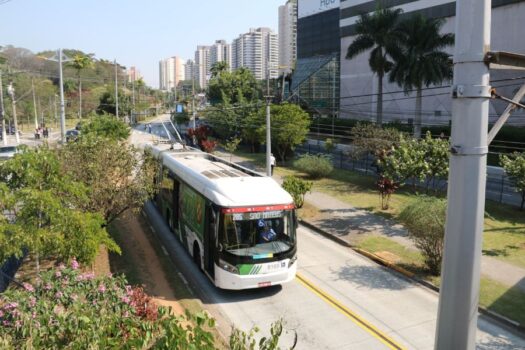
(239, 226)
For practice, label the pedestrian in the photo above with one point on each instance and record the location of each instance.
(46, 132)
(272, 163)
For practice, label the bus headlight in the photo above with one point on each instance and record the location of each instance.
(228, 267)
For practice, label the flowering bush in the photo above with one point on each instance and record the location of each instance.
(69, 308)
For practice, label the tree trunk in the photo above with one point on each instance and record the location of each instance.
(417, 121)
(380, 98)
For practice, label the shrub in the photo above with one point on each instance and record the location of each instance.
(425, 220)
(329, 145)
(106, 126)
(297, 188)
(386, 188)
(316, 166)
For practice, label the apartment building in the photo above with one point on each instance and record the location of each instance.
(171, 71)
(202, 65)
(221, 51)
(257, 50)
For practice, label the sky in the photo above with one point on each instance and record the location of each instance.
(134, 32)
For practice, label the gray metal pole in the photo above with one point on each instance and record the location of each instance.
(116, 89)
(458, 302)
(268, 125)
(34, 103)
(62, 105)
(11, 92)
(2, 113)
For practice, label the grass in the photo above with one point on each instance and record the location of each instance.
(497, 297)
(504, 235)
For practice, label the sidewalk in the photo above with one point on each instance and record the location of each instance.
(347, 223)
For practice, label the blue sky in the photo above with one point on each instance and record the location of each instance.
(134, 32)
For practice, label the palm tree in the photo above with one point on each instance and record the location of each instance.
(81, 62)
(419, 60)
(218, 68)
(376, 32)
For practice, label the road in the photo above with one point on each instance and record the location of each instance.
(340, 300)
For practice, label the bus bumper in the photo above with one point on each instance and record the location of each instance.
(228, 280)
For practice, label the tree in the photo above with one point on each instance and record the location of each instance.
(254, 129)
(79, 63)
(416, 160)
(218, 68)
(106, 126)
(118, 176)
(41, 205)
(297, 188)
(425, 220)
(514, 166)
(289, 126)
(232, 145)
(108, 102)
(419, 60)
(371, 139)
(377, 32)
(237, 87)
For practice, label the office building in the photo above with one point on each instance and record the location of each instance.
(171, 71)
(202, 65)
(359, 84)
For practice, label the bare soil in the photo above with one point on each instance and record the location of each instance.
(148, 267)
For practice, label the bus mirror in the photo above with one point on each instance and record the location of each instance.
(220, 247)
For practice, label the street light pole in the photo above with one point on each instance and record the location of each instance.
(268, 125)
(11, 92)
(116, 89)
(459, 293)
(62, 105)
(2, 113)
(34, 103)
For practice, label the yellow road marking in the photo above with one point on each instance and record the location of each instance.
(376, 333)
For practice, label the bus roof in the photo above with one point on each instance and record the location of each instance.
(224, 183)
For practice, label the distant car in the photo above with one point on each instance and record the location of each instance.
(72, 135)
(7, 152)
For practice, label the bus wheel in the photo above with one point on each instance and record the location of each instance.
(197, 255)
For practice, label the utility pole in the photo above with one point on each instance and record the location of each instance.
(458, 299)
(34, 103)
(62, 105)
(56, 114)
(133, 99)
(116, 89)
(193, 102)
(11, 92)
(268, 124)
(2, 113)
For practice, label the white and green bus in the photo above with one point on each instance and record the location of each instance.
(239, 226)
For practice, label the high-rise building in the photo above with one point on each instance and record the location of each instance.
(202, 65)
(189, 70)
(257, 50)
(171, 71)
(133, 74)
(287, 36)
(221, 51)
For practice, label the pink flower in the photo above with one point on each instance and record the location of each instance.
(32, 301)
(58, 274)
(125, 300)
(18, 324)
(5, 323)
(126, 314)
(1, 314)
(10, 306)
(59, 295)
(101, 288)
(33, 315)
(88, 276)
(47, 286)
(61, 266)
(74, 264)
(28, 287)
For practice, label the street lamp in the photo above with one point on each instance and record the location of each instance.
(11, 93)
(2, 113)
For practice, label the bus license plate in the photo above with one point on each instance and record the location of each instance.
(264, 284)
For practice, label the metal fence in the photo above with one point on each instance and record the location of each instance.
(499, 188)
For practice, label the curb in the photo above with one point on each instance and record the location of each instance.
(501, 320)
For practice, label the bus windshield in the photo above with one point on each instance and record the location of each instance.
(257, 234)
